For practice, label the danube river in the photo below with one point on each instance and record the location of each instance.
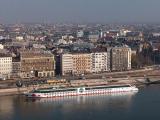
(143, 105)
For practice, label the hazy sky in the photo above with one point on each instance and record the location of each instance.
(16, 11)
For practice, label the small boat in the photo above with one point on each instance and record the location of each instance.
(62, 92)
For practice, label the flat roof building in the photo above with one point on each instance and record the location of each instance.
(121, 58)
(40, 62)
(5, 65)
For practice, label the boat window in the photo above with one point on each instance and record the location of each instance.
(49, 91)
(81, 90)
(106, 87)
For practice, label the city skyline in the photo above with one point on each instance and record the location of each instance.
(83, 11)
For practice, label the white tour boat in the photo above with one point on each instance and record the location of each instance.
(61, 92)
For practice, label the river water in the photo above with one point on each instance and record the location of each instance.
(143, 105)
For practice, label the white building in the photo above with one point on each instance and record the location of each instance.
(156, 34)
(123, 32)
(39, 46)
(93, 38)
(1, 46)
(5, 65)
(65, 40)
(66, 64)
(19, 38)
(100, 62)
(80, 34)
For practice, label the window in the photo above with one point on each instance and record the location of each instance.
(40, 74)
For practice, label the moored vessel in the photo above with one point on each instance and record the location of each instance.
(76, 91)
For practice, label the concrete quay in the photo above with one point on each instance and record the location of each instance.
(12, 91)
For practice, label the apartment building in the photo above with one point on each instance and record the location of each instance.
(5, 65)
(37, 63)
(76, 63)
(82, 63)
(121, 58)
(113, 59)
(100, 62)
(16, 69)
(66, 64)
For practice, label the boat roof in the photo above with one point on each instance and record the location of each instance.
(75, 88)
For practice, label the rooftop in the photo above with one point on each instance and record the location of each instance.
(35, 53)
(5, 55)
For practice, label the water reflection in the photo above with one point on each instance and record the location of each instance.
(6, 107)
(21, 108)
(83, 102)
(123, 106)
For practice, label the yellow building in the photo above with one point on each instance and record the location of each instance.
(82, 63)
